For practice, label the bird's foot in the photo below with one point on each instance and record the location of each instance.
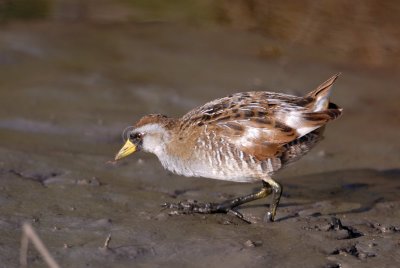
(193, 206)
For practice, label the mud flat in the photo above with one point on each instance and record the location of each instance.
(67, 95)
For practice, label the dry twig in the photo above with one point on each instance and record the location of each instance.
(107, 242)
(29, 234)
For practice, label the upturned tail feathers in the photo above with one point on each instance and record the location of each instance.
(319, 111)
(321, 94)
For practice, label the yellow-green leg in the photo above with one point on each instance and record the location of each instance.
(276, 197)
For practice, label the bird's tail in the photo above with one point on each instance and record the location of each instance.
(319, 110)
(321, 94)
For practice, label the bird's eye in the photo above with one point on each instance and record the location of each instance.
(135, 136)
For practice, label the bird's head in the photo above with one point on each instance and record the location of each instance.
(150, 134)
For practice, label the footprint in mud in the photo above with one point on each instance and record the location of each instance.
(333, 228)
(354, 250)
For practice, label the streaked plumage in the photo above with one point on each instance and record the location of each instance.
(243, 137)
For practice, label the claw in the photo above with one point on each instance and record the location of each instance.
(239, 215)
(166, 205)
(268, 217)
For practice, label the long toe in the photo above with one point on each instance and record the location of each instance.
(192, 206)
(239, 215)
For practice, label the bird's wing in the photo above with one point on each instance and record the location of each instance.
(259, 137)
(260, 123)
(246, 120)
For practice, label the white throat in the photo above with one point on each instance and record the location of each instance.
(156, 139)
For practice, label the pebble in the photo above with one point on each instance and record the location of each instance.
(92, 182)
(253, 244)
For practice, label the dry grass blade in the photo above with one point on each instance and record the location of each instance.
(107, 242)
(29, 234)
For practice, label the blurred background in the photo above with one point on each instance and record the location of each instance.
(84, 70)
(75, 73)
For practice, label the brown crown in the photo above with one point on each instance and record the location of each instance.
(155, 119)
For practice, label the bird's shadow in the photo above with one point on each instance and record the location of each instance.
(365, 187)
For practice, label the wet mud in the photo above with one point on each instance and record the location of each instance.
(67, 96)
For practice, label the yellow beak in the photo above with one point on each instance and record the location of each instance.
(127, 149)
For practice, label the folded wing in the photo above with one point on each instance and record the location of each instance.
(260, 123)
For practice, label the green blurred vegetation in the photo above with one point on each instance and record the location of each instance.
(24, 9)
(188, 11)
(192, 11)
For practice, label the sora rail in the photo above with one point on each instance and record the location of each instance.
(244, 137)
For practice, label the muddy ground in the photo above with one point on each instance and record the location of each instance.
(68, 90)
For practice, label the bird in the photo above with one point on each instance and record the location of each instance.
(243, 137)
